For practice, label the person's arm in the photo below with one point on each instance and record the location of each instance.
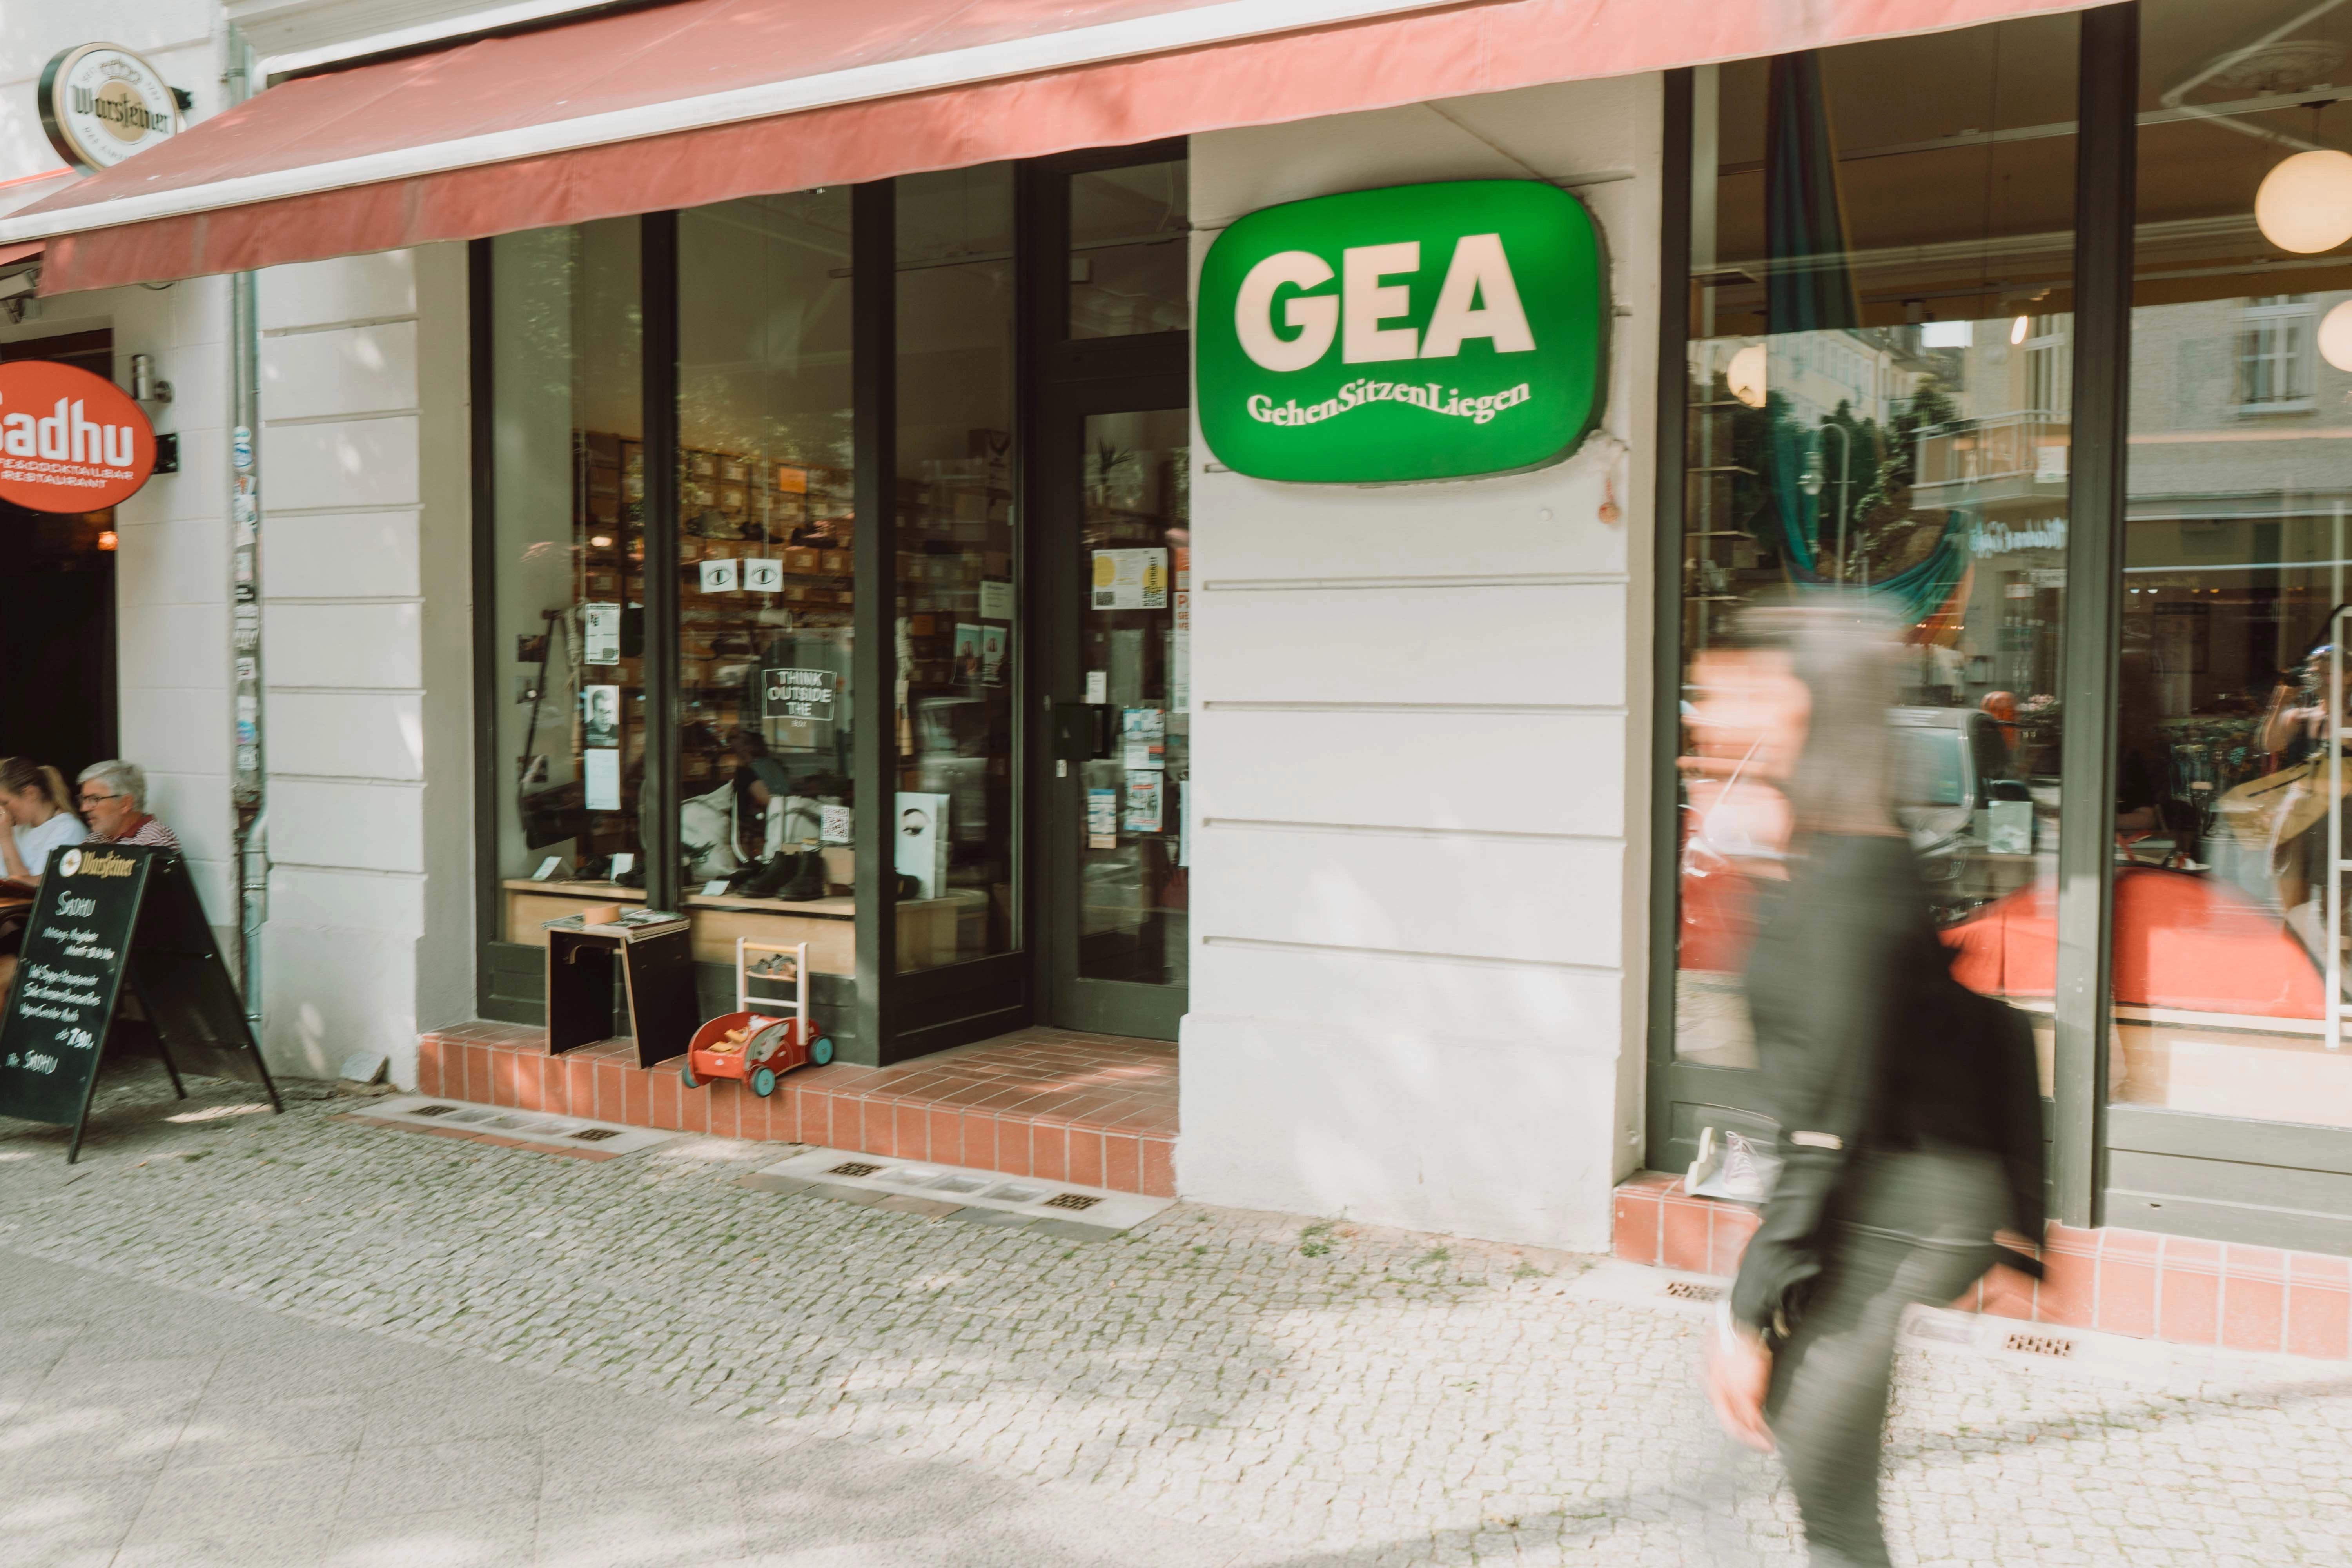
(11, 862)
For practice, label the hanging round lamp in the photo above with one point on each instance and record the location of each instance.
(2305, 203)
(1744, 376)
(2336, 336)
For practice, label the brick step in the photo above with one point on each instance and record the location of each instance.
(1084, 1108)
(2135, 1282)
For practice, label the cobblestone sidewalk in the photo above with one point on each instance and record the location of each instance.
(1342, 1394)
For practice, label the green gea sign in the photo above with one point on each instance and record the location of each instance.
(1419, 333)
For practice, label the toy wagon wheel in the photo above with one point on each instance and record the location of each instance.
(764, 1081)
(763, 1046)
(685, 1073)
(820, 1050)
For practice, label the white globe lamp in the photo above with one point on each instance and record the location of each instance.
(2305, 203)
(1744, 375)
(2336, 336)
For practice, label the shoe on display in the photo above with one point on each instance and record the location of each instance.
(808, 881)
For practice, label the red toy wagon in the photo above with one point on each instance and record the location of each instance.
(762, 1039)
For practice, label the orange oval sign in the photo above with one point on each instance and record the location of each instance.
(69, 441)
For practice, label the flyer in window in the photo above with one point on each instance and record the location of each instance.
(1143, 739)
(995, 599)
(993, 640)
(600, 718)
(599, 633)
(1130, 579)
(1102, 819)
(967, 654)
(601, 779)
(1143, 794)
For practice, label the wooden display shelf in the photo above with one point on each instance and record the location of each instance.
(930, 929)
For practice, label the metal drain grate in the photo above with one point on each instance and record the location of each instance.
(853, 1168)
(1072, 1201)
(433, 1110)
(1692, 1290)
(2039, 1345)
(597, 1134)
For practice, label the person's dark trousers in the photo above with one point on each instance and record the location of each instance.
(1920, 1232)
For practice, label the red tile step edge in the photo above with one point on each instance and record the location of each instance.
(508, 1064)
(2121, 1281)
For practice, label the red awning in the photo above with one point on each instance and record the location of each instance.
(703, 101)
(29, 250)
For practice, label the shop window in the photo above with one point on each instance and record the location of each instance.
(1128, 261)
(959, 561)
(764, 576)
(568, 580)
(2229, 702)
(1879, 405)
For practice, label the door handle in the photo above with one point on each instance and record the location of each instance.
(1082, 731)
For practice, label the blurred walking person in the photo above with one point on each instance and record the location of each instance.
(1909, 1114)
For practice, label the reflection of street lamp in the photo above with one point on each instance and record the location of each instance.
(1813, 482)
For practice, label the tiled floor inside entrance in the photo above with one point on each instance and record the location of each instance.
(1095, 1109)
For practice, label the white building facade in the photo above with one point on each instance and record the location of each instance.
(1388, 813)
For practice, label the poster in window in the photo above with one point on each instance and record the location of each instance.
(921, 842)
(600, 718)
(719, 576)
(599, 633)
(600, 778)
(1143, 796)
(798, 706)
(1130, 579)
(1102, 819)
(967, 654)
(1143, 739)
(995, 599)
(763, 576)
(993, 640)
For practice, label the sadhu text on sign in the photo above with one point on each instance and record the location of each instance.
(69, 441)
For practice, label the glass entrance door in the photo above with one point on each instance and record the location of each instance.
(1117, 845)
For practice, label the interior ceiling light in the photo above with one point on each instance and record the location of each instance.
(2017, 331)
(2305, 203)
(1744, 375)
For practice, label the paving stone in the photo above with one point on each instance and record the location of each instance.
(1337, 1394)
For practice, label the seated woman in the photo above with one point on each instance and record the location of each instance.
(41, 817)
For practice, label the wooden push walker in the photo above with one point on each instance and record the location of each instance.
(749, 1044)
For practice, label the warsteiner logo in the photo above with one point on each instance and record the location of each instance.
(97, 864)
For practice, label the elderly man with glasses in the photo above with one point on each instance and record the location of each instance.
(114, 801)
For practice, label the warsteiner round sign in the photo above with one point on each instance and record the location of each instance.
(100, 103)
(1428, 331)
(69, 441)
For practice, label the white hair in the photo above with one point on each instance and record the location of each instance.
(122, 777)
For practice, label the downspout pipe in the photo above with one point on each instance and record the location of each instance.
(247, 793)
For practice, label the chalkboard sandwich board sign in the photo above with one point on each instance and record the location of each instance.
(117, 953)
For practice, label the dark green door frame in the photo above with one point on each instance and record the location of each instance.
(1063, 380)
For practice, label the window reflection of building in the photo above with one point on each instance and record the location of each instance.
(1909, 440)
